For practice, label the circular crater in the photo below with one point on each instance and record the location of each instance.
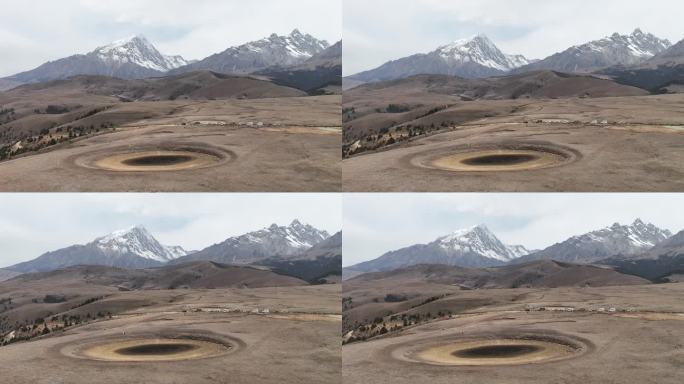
(497, 160)
(496, 351)
(150, 350)
(164, 159)
(492, 351)
(156, 349)
(156, 161)
(503, 158)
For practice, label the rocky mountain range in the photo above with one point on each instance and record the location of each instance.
(477, 247)
(474, 247)
(137, 58)
(663, 73)
(609, 51)
(131, 248)
(298, 250)
(323, 70)
(476, 57)
(132, 58)
(274, 241)
(272, 51)
(320, 263)
(596, 245)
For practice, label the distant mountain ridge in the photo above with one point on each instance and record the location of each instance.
(137, 58)
(639, 248)
(272, 51)
(298, 250)
(473, 247)
(131, 248)
(476, 57)
(609, 51)
(320, 71)
(281, 241)
(603, 243)
(132, 58)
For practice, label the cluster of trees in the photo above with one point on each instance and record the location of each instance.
(6, 115)
(50, 323)
(48, 137)
(52, 110)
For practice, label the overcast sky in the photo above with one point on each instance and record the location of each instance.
(381, 30)
(35, 31)
(377, 223)
(31, 224)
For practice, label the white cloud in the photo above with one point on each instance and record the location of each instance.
(32, 224)
(377, 223)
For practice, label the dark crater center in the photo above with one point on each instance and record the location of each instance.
(156, 349)
(158, 160)
(502, 159)
(497, 351)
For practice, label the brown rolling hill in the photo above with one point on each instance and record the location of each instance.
(536, 274)
(91, 291)
(429, 289)
(532, 85)
(201, 85)
(89, 104)
(6, 274)
(200, 275)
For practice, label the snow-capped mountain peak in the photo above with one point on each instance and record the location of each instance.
(294, 236)
(638, 235)
(480, 50)
(628, 48)
(137, 241)
(481, 241)
(138, 50)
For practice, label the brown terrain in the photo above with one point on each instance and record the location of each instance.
(194, 132)
(199, 323)
(539, 131)
(542, 322)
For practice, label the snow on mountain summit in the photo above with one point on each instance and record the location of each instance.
(480, 50)
(640, 45)
(139, 242)
(480, 240)
(138, 50)
(296, 234)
